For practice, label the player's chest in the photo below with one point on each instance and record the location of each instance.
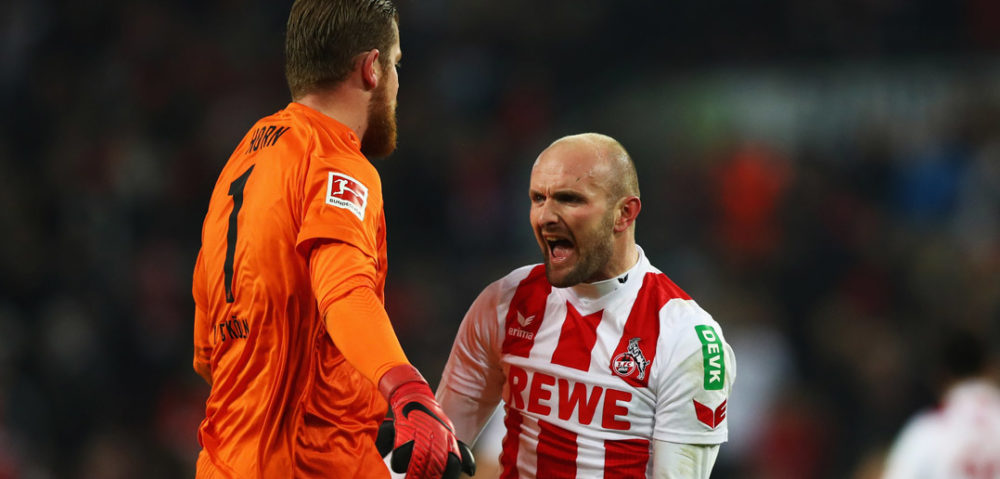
(588, 364)
(611, 341)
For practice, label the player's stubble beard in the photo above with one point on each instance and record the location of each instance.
(594, 249)
(379, 139)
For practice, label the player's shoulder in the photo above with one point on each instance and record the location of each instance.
(664, 294)
(685, 324)
(529, 272)
(676, 307)
(693, 345)
(278, 138)
(282, 128)
(315, 135)
(328, 149)
(531, 276)
(684, 312)
(329, 136)
(507, 284)
(502, 290)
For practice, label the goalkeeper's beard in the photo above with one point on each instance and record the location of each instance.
(380, 137)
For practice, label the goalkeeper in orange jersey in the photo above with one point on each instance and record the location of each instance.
(290, 327)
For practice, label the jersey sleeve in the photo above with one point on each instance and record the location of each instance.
(473, 380)
(343, 282)
(683, 461)
(342, 201)
(202, 324)
(693, 390)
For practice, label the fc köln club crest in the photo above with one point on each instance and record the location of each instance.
(630, 361)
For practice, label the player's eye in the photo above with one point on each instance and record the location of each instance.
(569, 198)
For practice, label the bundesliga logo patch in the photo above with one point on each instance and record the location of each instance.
(345, 192)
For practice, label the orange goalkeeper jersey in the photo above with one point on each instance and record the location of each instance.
(284, 402)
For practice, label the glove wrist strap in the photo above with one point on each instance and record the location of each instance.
(396, 377)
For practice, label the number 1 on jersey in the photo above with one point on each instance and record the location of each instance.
(236, 191)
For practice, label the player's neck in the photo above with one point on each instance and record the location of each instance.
(343, 106)
(624, 257)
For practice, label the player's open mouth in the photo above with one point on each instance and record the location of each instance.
(560, 249)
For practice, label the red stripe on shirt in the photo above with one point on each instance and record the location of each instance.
(643, 323)
(626, 459)
(577, 338)
(556, 452)
(508, 458)
(526, 312)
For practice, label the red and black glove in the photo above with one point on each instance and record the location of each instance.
(420, 436)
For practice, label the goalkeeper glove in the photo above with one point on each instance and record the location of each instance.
(420, 436)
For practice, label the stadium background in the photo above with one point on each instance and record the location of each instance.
(822, 175)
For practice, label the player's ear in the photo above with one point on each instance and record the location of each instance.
(370, 68)
(628, 211)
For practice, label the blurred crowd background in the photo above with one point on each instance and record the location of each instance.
(823, 176)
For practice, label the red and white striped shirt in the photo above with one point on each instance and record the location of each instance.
(592, 373)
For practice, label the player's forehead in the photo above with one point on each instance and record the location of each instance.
(569, 165)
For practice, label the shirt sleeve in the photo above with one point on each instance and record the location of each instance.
(693, 392)
(202, 324)
(342, 201)
(473, 380)
(343, 282)
(683, 461)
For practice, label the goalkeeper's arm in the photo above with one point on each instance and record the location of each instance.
(424, 439)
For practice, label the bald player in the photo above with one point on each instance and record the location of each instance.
(606, 368)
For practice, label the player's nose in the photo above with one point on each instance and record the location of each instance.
(545, 213)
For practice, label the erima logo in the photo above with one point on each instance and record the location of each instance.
(345, 192)
(712, 355)
(524, 322)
